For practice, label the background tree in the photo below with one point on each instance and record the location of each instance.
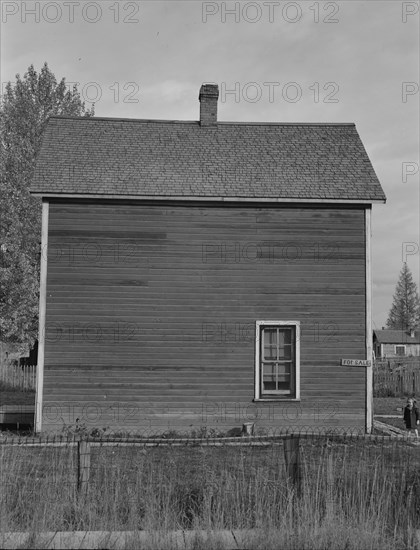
(24, 110)
(405, 310)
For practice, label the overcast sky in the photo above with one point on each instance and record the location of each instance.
(345, 61)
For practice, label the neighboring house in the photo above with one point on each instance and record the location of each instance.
(204, 273)
(396, 343)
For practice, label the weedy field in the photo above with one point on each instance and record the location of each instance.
(348, 493)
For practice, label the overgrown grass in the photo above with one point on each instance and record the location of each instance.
(354, 494)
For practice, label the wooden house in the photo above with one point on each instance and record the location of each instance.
(388, 343)
(204, 273)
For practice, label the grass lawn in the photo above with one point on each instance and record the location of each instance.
(396, 422)
(388, 405)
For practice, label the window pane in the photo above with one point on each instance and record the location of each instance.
(269, 386)
(283, 368)
(285, 353)
(276, 376)
(270, 336)
(270, 343)
(269, 377)
(270, 353)
(283, 375)
(285, 337)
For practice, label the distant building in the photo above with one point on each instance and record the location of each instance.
(396, 343)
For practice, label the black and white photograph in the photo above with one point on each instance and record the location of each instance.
(210, 273)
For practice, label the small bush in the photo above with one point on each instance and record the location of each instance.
(80, 429)
(384, 391)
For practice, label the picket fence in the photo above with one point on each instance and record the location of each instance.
(396, 383)
(19, 377)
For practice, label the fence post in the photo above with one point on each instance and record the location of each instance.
(83, 466)
(292, 458)
(330, 485)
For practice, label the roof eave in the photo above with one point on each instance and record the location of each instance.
(206, 198)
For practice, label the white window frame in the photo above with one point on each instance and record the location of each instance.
(258, 396)
(400, 346)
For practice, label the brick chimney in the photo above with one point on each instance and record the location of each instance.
(209, 94)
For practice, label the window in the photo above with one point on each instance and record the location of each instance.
(399, 350)
(277, 360)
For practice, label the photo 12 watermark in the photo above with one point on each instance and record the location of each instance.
(93, 253)
(408, 171)
(270, 12)
(120, 92)
(70, 11)
(275, 92)
(75, 416)
(227, 333)
(320, 331)
(240, 413)
(270, 252)
(408, 9)
(409, 89)
(108, 333)
(94, 92)
(409, 249)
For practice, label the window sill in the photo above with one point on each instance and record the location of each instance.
(277, 399)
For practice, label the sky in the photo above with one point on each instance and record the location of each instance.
(307, 61)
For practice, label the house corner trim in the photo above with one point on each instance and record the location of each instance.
(369, 343)
(42, 318)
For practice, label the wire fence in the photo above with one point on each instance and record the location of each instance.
(144, 482)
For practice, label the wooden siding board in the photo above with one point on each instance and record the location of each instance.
(141, 269)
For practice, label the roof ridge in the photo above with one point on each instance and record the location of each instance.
(196, 122)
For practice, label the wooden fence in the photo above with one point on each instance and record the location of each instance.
(295, 448)
(397, 363)
(291, 443)
(19, 377)
(405, 382)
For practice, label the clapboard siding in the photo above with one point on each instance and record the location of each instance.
(153, 308)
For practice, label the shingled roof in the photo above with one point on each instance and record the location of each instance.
(221, 160)
(389, 336)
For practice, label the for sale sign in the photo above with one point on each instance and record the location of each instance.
(355, 363)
